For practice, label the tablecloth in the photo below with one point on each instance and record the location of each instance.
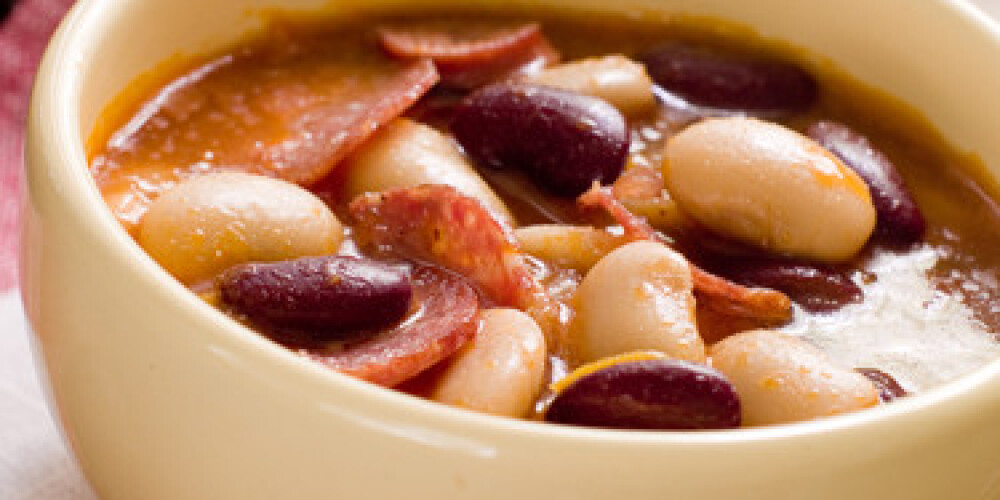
(34, 462)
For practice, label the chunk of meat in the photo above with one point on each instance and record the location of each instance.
(446, 317)
(293, 119)
(469, 55)
(435, 223)
(641, 190)
(723, 296)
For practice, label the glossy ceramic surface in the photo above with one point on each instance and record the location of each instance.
(164, 398)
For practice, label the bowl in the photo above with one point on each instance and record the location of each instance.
(163, 397)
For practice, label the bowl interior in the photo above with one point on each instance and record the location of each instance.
(912, 66)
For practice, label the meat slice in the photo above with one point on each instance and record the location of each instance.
(457, 43)
(472, 54)
(319, 136)
(445, 319)
(291, 116)
(762, 305)
(437, 224)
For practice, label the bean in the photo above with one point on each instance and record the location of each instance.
(565, 141)
(899, 217)
(729, 82)
(888, 388)
(406, 154)
(630, 392)
(614, 78)
(445, 316)
(573, 247)
(501, 371)
(770, 187)
(331, 296)
(212, 222)
(782, 379)
(815, 287)
(638, 297)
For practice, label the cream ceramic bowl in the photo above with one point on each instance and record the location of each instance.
(162, 397)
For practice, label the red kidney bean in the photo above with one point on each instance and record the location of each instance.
(726, 81)
(899, 218)
(445, 317)
(649, 394)
(564, 140)
(816, 288)
(330, 296)
(888, 388)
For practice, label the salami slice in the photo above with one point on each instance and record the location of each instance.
(436, 223)
(451, 43)
(291, 115)
(319, 136)
(470, 55)
(445, 319)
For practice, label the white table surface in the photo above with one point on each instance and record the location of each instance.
(34, 462)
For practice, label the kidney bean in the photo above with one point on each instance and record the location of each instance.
(445, 317)
(730, 82)
(899, 217)
(648, 394)
(331, 296)
(564, 140)
(815, 287)
(888, 388)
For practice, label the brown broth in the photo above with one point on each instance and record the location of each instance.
(937, 300)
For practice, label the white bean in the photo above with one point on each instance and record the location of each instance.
(639, 297)
(573, 247)
(501, 371)
(209, 223)
(769, 186)
(615, 78)
(406, 154)
(783, 379)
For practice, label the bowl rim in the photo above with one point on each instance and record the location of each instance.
(64, 166)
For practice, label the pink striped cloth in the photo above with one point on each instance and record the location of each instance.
(22, 39)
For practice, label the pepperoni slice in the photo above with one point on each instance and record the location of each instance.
(292, 115)
(721, 295)
(436, 223)
(321, 135)
(457, 43)
(469, 55)
(538, 56)
(446, 318)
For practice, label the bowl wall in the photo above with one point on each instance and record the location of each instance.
(162, 397)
